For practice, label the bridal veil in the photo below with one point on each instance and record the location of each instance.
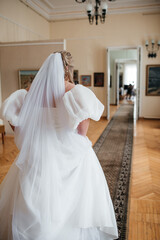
(35, 136)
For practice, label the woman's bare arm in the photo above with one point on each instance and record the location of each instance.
(83, 127)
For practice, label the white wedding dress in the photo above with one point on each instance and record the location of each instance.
(58, 191)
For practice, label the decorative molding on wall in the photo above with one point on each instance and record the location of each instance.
(150, 117)
(68, 9)
(22, 26)
(85, 38)
(30, 44)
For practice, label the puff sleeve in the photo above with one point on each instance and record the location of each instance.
(81, 103)
(12, 105)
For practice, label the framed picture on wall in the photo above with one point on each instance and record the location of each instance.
(26, 78)
(153, 80)
(110, 81)
(121, 80)
(75, 76)
(98, 79)
(86, 80)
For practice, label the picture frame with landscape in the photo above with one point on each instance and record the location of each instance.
(153, 80)
(86, 80)
(26, 77)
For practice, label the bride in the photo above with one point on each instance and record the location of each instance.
(55, 189)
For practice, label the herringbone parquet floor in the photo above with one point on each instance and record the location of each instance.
(144, 209)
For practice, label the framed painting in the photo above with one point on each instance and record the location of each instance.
(26, 78)
(86, 80)
(153, 80)
(120, 79)
(110, 81)
(75, 77)
(98, 79)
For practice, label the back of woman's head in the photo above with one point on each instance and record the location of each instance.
(68, 65)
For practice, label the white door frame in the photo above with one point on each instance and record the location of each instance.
(139, 83)
(139, 76)
(117, 83)
(108, 85)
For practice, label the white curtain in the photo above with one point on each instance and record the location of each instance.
(130, 74)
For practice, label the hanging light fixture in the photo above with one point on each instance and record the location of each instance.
(152, 49)
(100, 10)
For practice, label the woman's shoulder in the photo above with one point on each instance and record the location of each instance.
(76, 89)
(68, 86)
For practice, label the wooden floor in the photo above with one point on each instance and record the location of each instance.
(144, 197)
(96, 128)
(144, 209)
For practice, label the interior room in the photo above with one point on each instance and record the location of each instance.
(116, 56)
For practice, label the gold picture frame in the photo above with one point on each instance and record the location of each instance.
(26, 77)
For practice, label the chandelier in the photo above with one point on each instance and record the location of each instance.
(99, 12)
(152, 49)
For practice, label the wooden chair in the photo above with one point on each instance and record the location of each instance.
(2, 131)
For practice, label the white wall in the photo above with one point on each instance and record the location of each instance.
(20, 23)
(88, 44)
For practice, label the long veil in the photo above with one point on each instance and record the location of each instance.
(38, 142)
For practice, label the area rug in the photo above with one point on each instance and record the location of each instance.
(114, 151)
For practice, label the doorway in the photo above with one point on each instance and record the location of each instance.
(123, 69)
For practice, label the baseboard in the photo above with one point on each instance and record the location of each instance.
(149, 118)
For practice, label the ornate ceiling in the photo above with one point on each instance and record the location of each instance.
(55, 10)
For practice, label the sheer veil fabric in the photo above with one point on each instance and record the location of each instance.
(36, 137)
(56, 189)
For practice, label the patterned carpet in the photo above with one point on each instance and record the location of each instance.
(114, 151)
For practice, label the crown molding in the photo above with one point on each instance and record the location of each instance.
(53, 12)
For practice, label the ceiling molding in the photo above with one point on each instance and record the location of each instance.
(63, 10)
